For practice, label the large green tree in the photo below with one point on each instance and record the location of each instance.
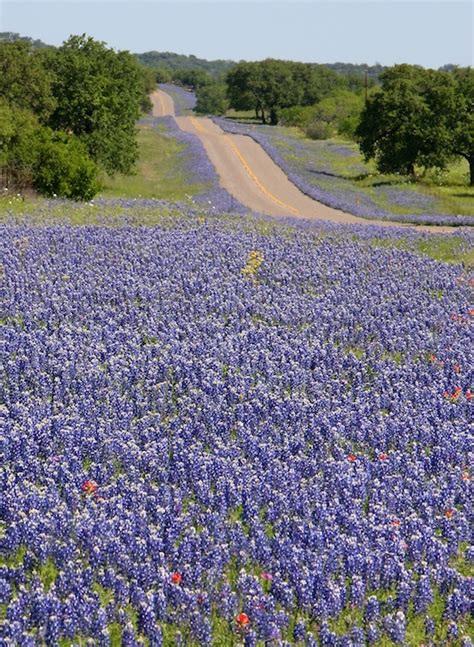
(24, 80)
(265, 86)
(462, 118)
(272, 85)
(407, 121)
(99, 93)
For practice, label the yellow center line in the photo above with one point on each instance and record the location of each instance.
(257, 181)
(161, 106)
(246, 166)
(198, 125)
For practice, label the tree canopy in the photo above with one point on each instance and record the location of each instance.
(419, 117)
(24, 80)
(67, 112)
(271, 85)
(99, 94)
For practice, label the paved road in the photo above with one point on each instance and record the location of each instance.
(251, 176)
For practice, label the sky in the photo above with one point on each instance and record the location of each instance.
(425, 32)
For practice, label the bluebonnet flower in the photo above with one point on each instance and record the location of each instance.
(216, 415)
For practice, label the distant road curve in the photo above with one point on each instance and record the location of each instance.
(253, 178)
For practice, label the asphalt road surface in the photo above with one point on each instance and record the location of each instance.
(253, 178)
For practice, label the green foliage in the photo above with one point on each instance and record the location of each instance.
(299, 116)
(319, 130)
(24, 81)
(211, 99)
(162, 75)
(19, 130)
(63, 167)
(170, 61)
(419, 117)
(99, 94)
(462, 119)
(194, 78)
(340, 111)
(271, 85)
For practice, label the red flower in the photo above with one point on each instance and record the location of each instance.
(395, 523)
(452, 397)
(266, 576)
(352, 458)
(457, 368)
(449, 513)
(176, 578)
(89, 487)
(383, 456)
(242, 620)
(469, 395)
(466, 476)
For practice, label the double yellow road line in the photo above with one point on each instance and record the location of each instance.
(249, 171)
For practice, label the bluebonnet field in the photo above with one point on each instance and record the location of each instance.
(327, 171)
(227, 431)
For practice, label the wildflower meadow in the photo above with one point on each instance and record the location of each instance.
(233, 431)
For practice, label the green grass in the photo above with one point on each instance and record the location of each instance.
(223, 631)
(160, 171)
(448, 189)
(447, 249)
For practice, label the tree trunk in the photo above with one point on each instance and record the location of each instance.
(257, 116)
(471, 170)
(410, 169)
(264, 121)
(273, 117)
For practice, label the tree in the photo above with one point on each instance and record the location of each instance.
(211, 99)
(406, 122)
(54, 162)
(242, 88)
(98, 93)
(18, 152)
(192, 78)
(265, 86)
(462, 118)
(24, 80)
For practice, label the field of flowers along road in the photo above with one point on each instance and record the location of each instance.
(335, 174)
(224, 433)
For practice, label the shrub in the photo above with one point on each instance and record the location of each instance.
(319, 130)
(64, 168)
(211, 99)
(299, 116)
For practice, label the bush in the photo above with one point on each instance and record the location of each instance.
(341, 111)
(211, 99)
(299, 116)
(18, 145)
(63, 168)
(319, 130)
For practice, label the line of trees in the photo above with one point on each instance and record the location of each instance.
(269, 86)
(68, 113)
(415, 117)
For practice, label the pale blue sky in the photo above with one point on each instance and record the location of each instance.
(426, 32)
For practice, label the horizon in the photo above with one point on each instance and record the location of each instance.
(313, 32)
